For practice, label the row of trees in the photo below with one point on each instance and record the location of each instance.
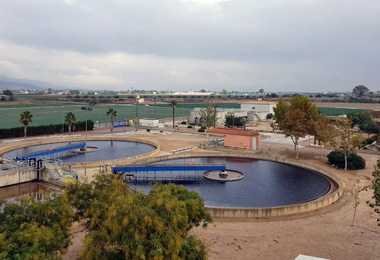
(300, 118)
(120, 223)
(364, 121)
(44, 129)
(26, 118)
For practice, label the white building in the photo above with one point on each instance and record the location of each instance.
(193, 93)
(258, 106)
(253, 110)
(258, 110)
(195, 114)
(148, 122)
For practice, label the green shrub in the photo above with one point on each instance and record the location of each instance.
(201, 130)
(354, 161)
(336, 158)
(189, 126)
(44, 129)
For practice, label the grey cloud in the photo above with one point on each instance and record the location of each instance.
(335, 42)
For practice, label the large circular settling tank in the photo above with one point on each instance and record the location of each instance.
(107, 150)
(265, 183)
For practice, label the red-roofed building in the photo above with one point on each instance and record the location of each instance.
(237, 138)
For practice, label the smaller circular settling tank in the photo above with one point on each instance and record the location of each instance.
(223, 176)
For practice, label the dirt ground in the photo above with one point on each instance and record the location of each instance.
(326, 233)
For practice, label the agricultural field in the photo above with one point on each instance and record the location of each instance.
(54, 114)
(44, 114)
(337, 111)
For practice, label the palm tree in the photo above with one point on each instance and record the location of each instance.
(26, 118)
(70, 120)
(173, 104)
(111, 112)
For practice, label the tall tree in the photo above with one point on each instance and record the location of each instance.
(111, 112)
(295, 126)
(209, 114)
(123, 223)
(360, 90)
(279, 114)
(25, 119)
(224, 91)
(345, 142)
(325, 131)
(295, 120)
(70, 120)
(376, 190)
(31, 229)
(173, 104)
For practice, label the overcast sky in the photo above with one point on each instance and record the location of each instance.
(179, 45)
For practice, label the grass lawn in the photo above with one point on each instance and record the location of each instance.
(44, 114)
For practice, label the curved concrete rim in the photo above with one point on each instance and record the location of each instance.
(267, 212)
(113, 162)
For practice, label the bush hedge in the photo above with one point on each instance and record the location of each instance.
(354, 161)
(44, 129)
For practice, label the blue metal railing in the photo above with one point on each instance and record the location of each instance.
(162, 168)
(50, 151)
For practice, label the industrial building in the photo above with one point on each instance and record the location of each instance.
(236, 138)
(252, 111)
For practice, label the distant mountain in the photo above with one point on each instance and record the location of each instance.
(13, 85)
(21, 84)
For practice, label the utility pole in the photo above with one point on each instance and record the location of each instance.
(137, 110)
(85, 149)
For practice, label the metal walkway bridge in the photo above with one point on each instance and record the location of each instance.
(50, 151)
(166, 168)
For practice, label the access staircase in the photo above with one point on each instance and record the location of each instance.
(54, 168)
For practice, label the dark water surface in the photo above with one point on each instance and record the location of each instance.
(107, 150)
(265, 184)
(29, 189)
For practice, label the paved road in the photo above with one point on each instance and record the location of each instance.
(279, 139)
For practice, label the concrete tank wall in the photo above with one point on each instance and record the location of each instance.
(16, 177)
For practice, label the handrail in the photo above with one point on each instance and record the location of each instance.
(53, 170)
